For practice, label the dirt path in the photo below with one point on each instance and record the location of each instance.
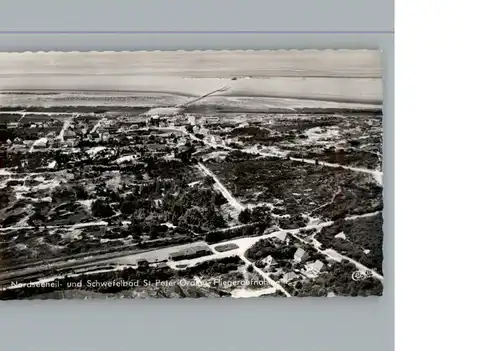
(227, 194)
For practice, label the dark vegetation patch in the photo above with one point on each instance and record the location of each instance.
(361, 234)
(299, 188)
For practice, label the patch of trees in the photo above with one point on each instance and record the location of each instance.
(26, 161)
(101, 209)
(361, 234)
(212, 268)
(247, 231)
(185, 154)
(12, 219)
(265, 247)
(6, 196)
(354, 201)
(292, 222)
(251, 131)
(260, 214)
(64, 193)
(195, 208)
(351, 157)
(190, 256)
(23, 132)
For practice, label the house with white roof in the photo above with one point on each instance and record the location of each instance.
(282, 236)
(300, 255)
(269, 261)
(289, 277)
(317, 266)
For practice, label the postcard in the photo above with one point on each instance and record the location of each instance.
(191, 174)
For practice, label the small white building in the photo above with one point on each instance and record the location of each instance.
(282, 236)
(289, 277)
(269, 261)
(300, 255)
(192, 120)
(317, 266)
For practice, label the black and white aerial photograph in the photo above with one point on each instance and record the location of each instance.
(191, 174)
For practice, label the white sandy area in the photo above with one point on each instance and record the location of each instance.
(336, 90)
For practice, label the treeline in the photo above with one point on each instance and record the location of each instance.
(265, 247)
(213, 268)
(247, 231)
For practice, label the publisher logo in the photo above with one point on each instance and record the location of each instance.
(360, 275)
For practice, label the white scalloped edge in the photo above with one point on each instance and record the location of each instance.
(192, 51)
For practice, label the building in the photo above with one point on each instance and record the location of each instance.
(189, 253)
(300, 255)
(269, 261)
(192, 120)
(317, 266)
(289, 277)
(282, 236)
(40, 143)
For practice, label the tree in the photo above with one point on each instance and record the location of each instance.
(101, 209)
(219, 221)
(245, 216)
(208, 181)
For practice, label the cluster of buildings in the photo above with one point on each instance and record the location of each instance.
(37, 124)
(300, 256)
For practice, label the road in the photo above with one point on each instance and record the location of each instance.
(377, 175)
(227, 194)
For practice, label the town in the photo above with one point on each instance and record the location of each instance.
(291, 199)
